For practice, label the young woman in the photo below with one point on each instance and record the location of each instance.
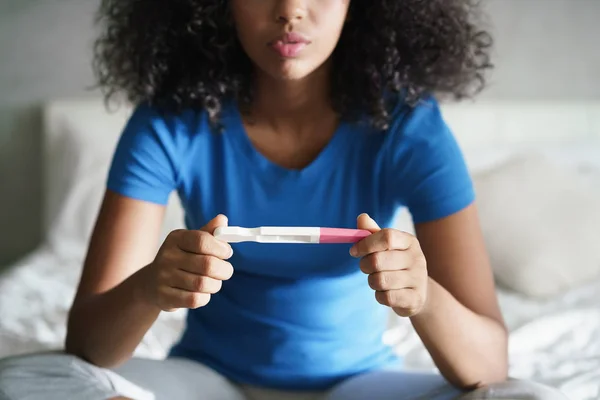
(287, 113)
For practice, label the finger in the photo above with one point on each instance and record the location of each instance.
(203, 243)
(364, 221)
(195, 283)
(176, 298)
(208, 266)
(385, 261)
(403, 299)
(383, 240)
(219, 220)
(391, 280)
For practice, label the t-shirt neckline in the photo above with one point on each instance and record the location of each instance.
(325, 160)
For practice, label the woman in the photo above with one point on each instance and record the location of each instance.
(284, 112)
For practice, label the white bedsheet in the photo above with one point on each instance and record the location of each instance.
(35, 295)
(556, 342)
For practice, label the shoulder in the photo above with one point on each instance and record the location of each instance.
(150, 158)
(419, 134)
(166, 125)
(425, 163)
(421, 124)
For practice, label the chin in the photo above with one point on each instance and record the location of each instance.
(291, 70)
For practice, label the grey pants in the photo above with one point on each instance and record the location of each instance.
(54, 376)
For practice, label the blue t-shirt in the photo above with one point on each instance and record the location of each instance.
(292, 316)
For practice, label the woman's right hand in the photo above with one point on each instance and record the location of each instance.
(190, 267)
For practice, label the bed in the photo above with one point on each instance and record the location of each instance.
(552, 306)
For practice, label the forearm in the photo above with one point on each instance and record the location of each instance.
(106, 329)
(469, 349)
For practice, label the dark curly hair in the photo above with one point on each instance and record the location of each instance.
(185, 53)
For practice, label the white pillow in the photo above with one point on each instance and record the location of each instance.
(540, 221)
(79, 139)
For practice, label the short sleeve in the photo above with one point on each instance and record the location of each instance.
(144, 164)
(427, 172)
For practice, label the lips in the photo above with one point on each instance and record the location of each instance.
(289, 45)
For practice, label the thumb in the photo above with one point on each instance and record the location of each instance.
(219, 220)
(365, 222)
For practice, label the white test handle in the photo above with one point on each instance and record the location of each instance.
(268, 234)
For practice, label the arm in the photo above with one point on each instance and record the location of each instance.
(444, 283)
(108, 300)
(458, 317)
(126, 279)
(124, 286)
(461, 324)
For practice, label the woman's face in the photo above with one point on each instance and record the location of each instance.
(289, 39)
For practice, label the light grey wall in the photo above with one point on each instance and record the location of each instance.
(545, 49)
(44, 53)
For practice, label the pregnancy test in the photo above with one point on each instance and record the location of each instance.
(276, 234)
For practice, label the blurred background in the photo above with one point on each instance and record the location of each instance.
(540, 215)
(545, 49)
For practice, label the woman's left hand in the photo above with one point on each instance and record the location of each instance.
(396, 267)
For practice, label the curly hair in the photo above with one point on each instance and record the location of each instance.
(186, 54)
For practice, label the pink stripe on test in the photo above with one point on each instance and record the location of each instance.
(341, 235)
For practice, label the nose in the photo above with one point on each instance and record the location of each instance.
(289, 11)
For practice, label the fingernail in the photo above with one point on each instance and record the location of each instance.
(353, 251)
